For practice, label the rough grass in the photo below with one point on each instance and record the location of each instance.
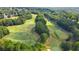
(56, 37)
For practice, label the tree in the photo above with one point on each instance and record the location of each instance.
(41, 28)
(40, 18)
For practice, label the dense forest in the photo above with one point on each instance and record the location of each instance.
(39, 29)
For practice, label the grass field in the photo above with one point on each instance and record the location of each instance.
(23, 33)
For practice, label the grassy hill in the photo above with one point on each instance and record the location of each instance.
(24, 33)
(25, 28)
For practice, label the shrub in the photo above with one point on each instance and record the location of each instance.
(43, 37)
(76, 46)
(65, 46)
(38, 47)
(9, 45)
(3, 31)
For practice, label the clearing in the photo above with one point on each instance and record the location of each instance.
(24, 33)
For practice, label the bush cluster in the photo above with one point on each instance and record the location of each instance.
(9, 45)
(3, 31)
(65, 46)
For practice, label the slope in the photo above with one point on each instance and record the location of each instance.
(56, 36)
(23, 33)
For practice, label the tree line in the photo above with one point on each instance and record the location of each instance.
(41, 27)
(20, 20)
